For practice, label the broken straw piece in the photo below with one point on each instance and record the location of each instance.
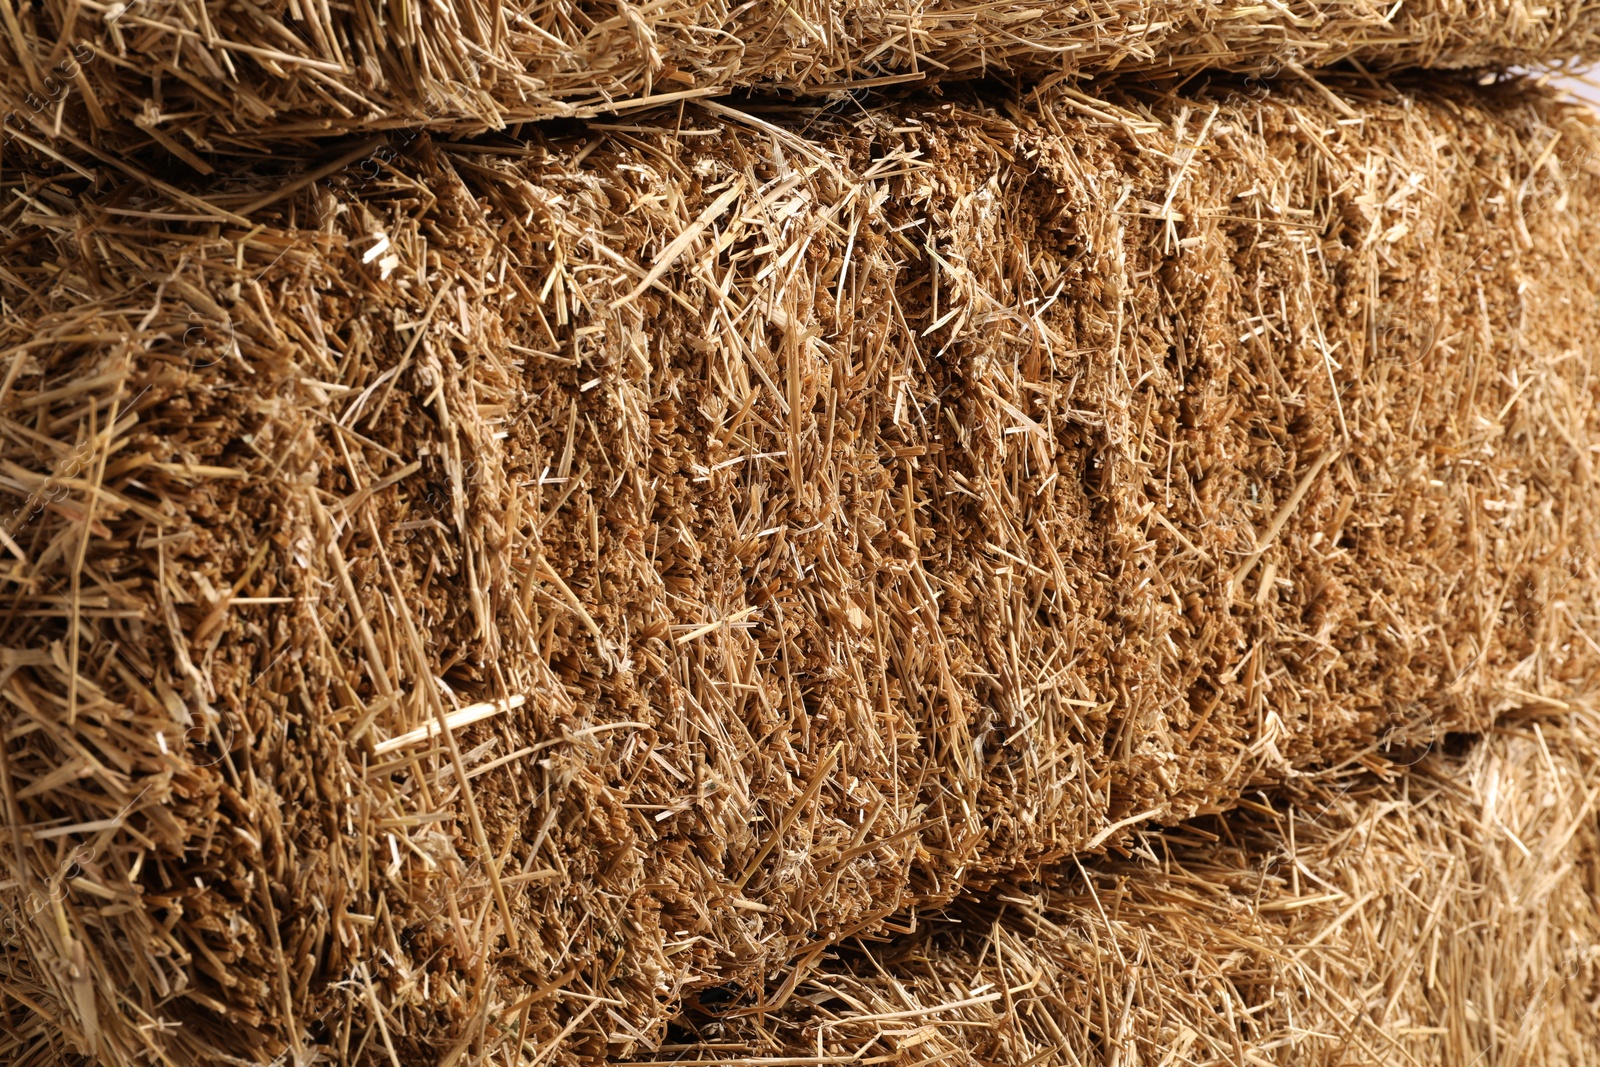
(453, 721)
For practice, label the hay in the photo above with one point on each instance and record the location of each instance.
(864, 510)
(187, 79)
(1444, 917)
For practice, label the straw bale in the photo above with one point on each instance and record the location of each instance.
(484, 594)
(1445, 916)
(186, 79)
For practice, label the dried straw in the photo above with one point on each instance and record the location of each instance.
(187, 79)
(866, 507)
(1444, 916)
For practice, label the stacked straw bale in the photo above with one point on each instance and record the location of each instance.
(477, 597)
(193, 77)
(1445, 916)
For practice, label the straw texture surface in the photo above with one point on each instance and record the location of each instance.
(186, 79)
(1443, 916)
(478, 596)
